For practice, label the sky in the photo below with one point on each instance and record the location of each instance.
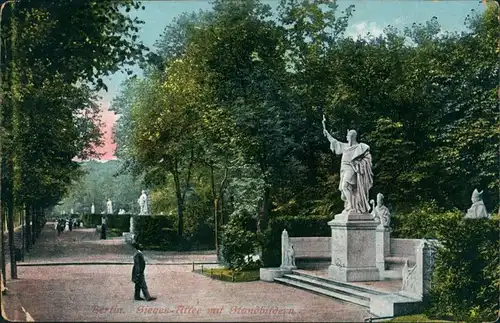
(370, 16)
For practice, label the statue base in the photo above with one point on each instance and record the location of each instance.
(354, 248)
(288, 268)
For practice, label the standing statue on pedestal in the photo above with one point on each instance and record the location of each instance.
(143, 203)
(477, 209)
(380, 212)
(356, 176)
(109, 207)
(92, 209)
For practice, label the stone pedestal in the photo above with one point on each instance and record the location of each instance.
(383, 240)
(353, 248)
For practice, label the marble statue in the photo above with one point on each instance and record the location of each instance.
(72, 211)
(143, 203)
(121, 212)
(109, 207)
(290, 255)
(356, 176)
(478, 209)
(92, 209)
(380, 212)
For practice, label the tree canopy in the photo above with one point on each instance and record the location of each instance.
(233, 100)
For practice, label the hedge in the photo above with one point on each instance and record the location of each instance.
(297, 226)
(466, 276)
(156, 232)
(114, 221)
(91, 220)
(119, 221)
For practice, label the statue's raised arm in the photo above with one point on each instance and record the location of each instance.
(335, 146)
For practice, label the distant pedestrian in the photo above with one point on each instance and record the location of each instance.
(138, 276)
(60, 226)
(103, 227)
(70, 224)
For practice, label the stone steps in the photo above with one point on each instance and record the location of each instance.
(339, 290)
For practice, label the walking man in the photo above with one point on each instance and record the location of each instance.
(138, 276)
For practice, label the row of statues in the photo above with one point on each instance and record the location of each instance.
(143, 202)
(356, 180)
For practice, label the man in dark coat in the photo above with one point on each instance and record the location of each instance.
(138, 276)
(104, 227)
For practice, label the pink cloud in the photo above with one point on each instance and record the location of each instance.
(108, 120)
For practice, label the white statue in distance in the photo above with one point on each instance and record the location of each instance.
(477, 209)
(109, 207)
(143, 203)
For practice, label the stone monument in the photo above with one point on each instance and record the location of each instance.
(287, 252)
(381, 213)
(109, 207)
(353, 230)
(477, 209)
(143, 203)
(92, 209)
(72, 211)
(121, 212)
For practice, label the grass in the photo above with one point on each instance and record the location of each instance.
(415, 318)
(225, 274)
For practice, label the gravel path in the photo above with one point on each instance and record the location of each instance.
(103, 293)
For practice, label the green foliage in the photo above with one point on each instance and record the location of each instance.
(120, 222)
(466, 277)
(297, 226)
(100, 182)
(52, 64)
(233, 276)
(238, 241)
(423, 222)
(155, 232)
(416, 318)
(229, 112)
(91, 220)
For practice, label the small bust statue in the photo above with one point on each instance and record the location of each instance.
(381, 212)
(477, 209)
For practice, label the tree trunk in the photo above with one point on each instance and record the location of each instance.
(180, 216)
(214, 203)
(23, 232)
(266, 209)
(33, 226)
(178, 195)
(27, 236)
(2, 228)
(10, 225)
